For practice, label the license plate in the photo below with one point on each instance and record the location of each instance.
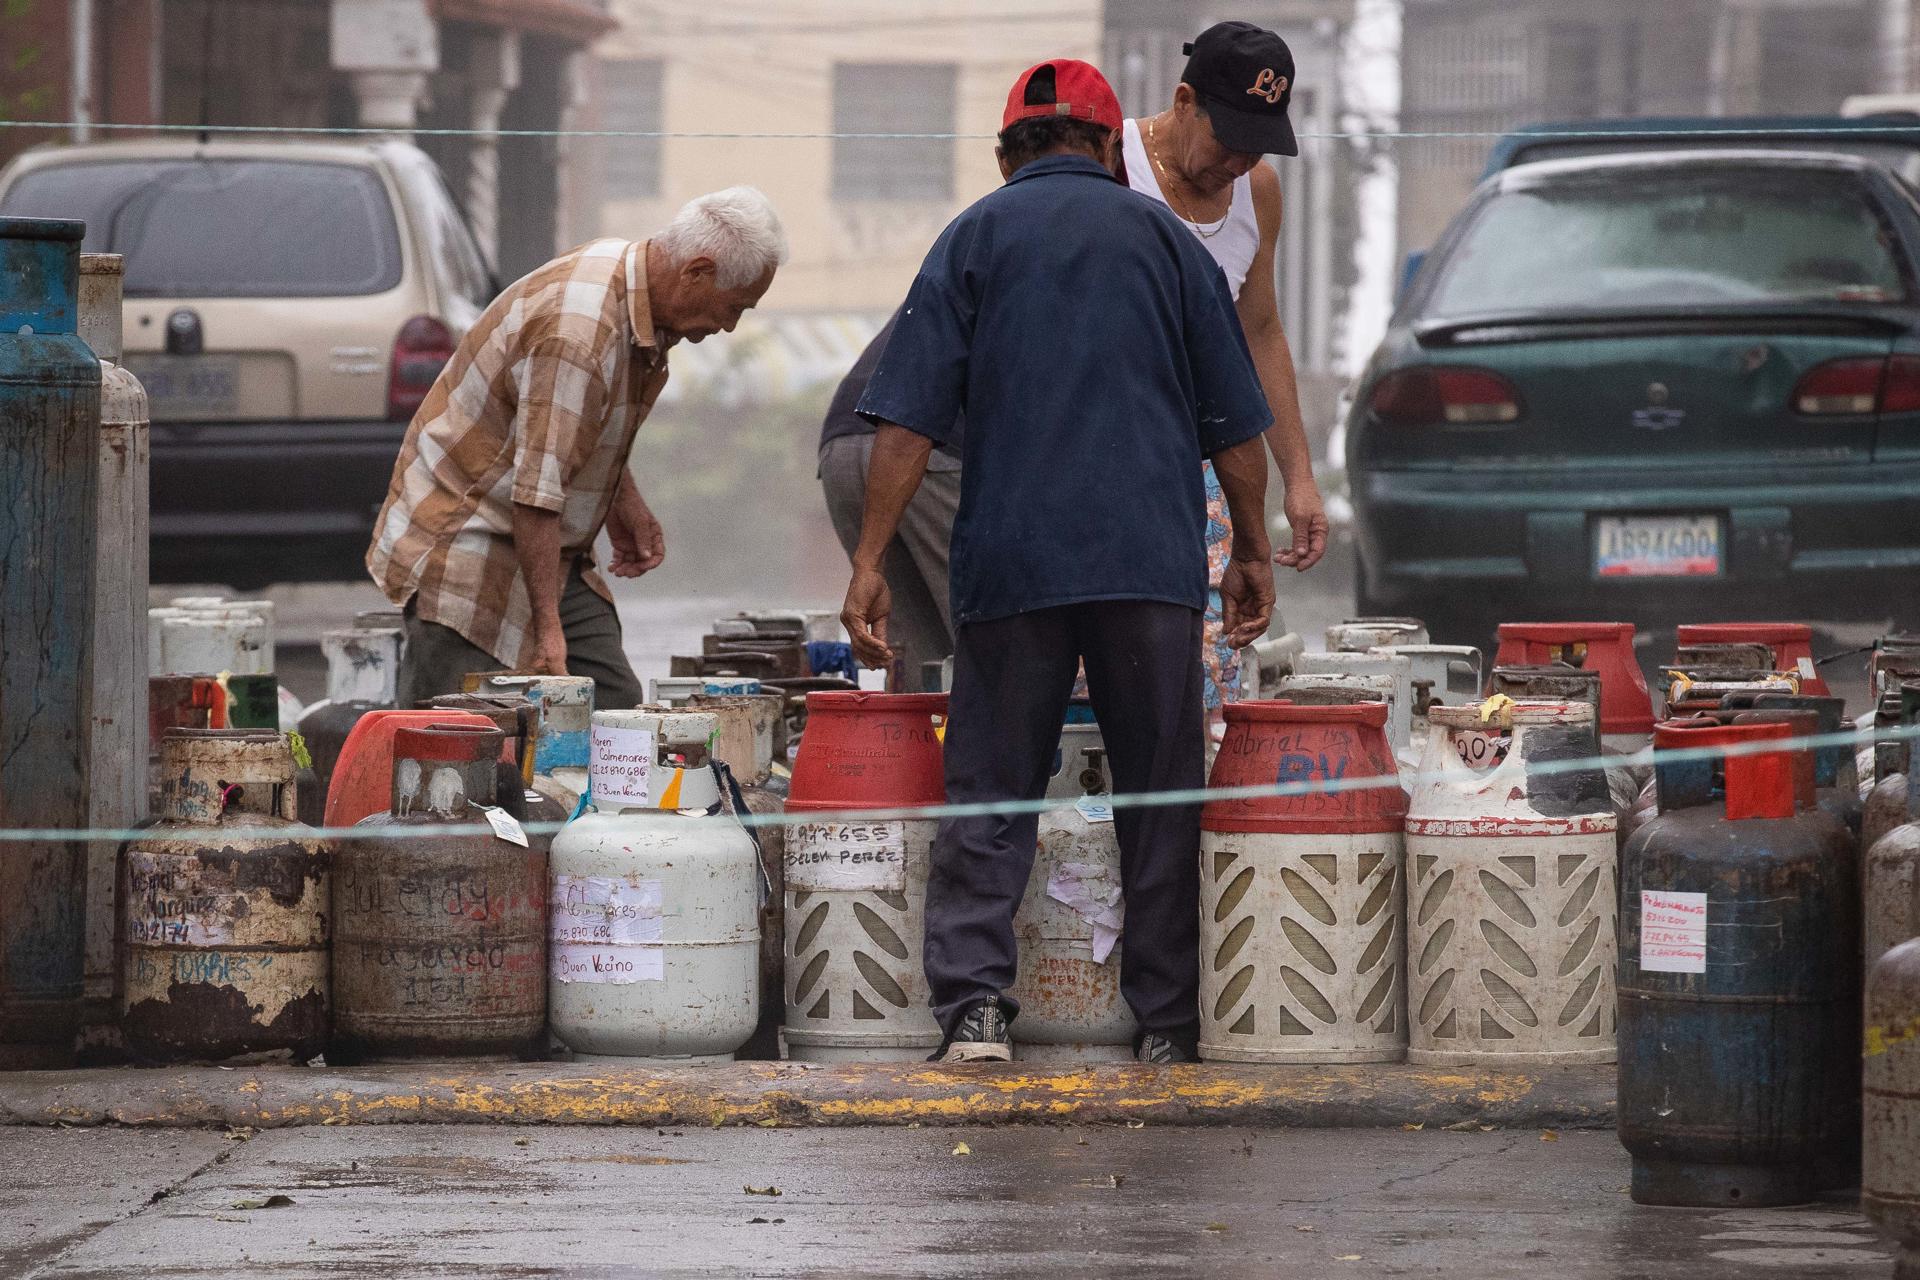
(1657, 547)
(188, 386)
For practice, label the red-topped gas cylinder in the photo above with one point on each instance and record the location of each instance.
(1302, 892)
(1626, 709)
(362, 782)
(857, 888)
(1791, 642)
(1739, 962)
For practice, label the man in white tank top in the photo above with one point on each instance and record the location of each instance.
(1202, 158)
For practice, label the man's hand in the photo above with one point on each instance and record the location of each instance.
(1246, 600)
(639, 543)
(549, 649)
(1308, 520)
(865, 616)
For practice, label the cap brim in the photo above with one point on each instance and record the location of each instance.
(1254, 133)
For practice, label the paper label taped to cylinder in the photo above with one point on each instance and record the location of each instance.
(1673, 932)
(847, 855)
(621, 765)
(584, 962)
(605, 909)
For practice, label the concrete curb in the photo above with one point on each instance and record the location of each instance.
(786, 1093)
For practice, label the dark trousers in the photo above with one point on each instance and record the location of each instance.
(438, 657)
(1011, 681)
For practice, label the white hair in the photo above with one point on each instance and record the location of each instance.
(736, 227)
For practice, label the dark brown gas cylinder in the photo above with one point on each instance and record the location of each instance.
(1890, 1185)
(440, 923)
(224, 907)
(1739, 944)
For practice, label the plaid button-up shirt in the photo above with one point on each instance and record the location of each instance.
(538, 406)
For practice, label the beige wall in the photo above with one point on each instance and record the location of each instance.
(767, 66)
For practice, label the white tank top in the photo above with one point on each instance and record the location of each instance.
(1238, 239)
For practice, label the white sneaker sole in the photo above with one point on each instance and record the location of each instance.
(977, 1051)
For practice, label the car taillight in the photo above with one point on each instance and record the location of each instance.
(1431, 394)
(1859, 385)
(419, 353)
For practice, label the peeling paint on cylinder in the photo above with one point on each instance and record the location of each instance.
(225, 935)
(440, 939)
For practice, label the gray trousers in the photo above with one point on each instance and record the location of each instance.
(438, 657)
(915, 567)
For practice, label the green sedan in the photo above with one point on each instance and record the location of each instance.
(1659, 386)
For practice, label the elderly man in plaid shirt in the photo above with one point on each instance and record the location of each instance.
(518, 456)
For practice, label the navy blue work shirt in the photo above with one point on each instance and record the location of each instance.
(1092, 344)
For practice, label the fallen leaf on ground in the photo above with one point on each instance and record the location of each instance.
(761, 1191)
(1347, 1257)
(1305, 1226)
(1136, 1124)
(336, 1120)
(962, 1149)
(523, 1142)
(230, 1217)
(768, 1124)
(239, 1133)
(1460, 1126)
(1548, 1135)
(1488, 1128)
(1216, 1226)
(1412, 1127)
(275, 1201)
(1079, 1142)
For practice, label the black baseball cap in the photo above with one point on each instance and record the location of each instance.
(1244, 77)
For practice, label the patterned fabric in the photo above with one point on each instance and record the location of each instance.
(1220, 660)
(538, 406)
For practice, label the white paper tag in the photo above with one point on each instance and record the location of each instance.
(504, 825)
(583, 962)
(1805, 667)
(620, 763)
(605, 909)
(847, 855)
(1673, 932)
(1090, 893)
(1095, 808)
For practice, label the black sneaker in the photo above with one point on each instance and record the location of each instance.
(1159, 1051)
(981, 1036)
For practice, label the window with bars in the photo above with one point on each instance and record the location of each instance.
(631, 100)
(894, 97)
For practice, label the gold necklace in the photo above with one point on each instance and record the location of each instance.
(1204, 232)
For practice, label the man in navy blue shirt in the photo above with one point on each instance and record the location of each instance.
(1092, 344)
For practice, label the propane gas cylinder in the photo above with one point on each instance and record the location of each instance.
(857, 889)
(440, 912)
(1357, 635)
(1302, 896)
(362, 782)
(749, 725)
(1626, 708)
(1739, 947)
(1890, 1184)
(566, 717)
(1885, 806)
(1891, 873)
(1510, 899)
(363, 671)
(655, 895)
(1071, 917)
(518, 721)
(224, 907)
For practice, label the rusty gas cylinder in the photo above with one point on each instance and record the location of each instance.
(1890, 1186)
(1739, 945)
(224, 907)
(441, 937)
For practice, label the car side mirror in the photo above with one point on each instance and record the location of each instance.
(1409, 272)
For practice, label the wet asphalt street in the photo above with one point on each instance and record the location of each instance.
(496, 1202)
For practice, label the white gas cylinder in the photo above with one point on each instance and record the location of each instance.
(654, 901)
(1070, 921)
(1511, 887)
(207, 643)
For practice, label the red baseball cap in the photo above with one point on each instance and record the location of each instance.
(1063, 87)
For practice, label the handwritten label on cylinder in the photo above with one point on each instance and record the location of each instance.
(1673, 932)
(621, 765)
(847, 855)
(169, 901)
(582, 962)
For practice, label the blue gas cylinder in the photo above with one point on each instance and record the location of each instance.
(49, 480)
(1739, 942)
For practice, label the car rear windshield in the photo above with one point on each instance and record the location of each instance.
(1634, 238)
(226, 228)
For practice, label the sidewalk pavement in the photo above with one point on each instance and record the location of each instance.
(780, 1094)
